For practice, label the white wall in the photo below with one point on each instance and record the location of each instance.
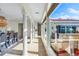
(3, 29)
(13, 25)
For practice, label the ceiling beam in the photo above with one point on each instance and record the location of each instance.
(53, 6)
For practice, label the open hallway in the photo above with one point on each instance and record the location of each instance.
(43, 30)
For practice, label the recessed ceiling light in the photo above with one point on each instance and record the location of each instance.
(36, 12)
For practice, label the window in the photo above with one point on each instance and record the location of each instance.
(66, 29)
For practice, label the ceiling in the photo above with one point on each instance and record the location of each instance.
(11, 11)
(36, 10)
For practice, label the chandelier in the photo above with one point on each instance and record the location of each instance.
(3, 21)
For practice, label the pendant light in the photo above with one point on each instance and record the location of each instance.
(3, 21)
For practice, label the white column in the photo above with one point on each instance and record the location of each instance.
(71, 45)
(55, 33)
(25, 36)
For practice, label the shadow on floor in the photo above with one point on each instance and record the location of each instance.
(32, 52)
(15, 52)
(42, 51)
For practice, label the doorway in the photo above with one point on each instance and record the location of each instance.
(20, 30)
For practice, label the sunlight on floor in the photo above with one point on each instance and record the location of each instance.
(33, 48)
(16, 51)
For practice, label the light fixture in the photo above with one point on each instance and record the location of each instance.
(36, 12)
(3, 21)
